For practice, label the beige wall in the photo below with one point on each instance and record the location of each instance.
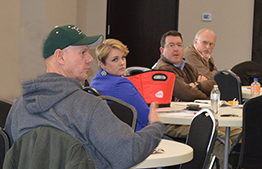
(24, 27)
(232, 21)
(9, 35)
(96, 24)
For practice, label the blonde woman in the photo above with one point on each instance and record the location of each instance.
(109, 81)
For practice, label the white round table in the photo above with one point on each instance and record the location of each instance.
(171, 116)
(246, 93)
(176, 115)
(174, 153)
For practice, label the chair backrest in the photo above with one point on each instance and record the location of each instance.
(201, 137)
(251, 149)
(229, 85)
(47, 147)
(4, 145)
(134, 70)
(92, 90)
(4, 109)
(124, 111)
(247, 71)
(155, 86)
(153, 67)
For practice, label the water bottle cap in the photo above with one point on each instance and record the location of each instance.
(215, 85)
(255, 79)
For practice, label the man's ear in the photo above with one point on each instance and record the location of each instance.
(161, 50)
(195, 41)
(102, 65)
(59, 56)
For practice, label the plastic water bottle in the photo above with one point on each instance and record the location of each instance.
(215, 99)
(255, 88)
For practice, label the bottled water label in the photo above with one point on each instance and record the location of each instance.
(215, 96)
(255, 89)
(215, 106)
(215, 99)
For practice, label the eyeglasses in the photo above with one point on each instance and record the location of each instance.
(206, 43)
(172, 45)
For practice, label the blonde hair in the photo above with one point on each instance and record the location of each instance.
(105, 47)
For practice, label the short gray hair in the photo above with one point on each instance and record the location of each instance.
(203, 30)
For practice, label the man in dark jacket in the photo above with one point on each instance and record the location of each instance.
(189, 84)
(199, 54)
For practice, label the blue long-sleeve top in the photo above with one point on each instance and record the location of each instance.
(123, 89)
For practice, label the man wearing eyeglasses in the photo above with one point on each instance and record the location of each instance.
(199, 54)
(189, 83)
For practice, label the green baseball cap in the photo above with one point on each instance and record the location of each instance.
(63, 36)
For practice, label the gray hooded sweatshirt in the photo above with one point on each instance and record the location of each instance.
(57, 101)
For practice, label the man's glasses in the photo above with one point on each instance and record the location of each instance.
(206, 43)
(172, 45)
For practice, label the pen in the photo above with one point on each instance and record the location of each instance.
(229, 115)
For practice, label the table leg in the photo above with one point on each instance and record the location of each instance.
(227, 137)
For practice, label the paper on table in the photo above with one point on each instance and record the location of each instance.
(206, 105)
(168, 110)
(207, 102)
(175, 111)
(181, 114)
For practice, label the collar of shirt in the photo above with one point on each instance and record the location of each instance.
(181, 66)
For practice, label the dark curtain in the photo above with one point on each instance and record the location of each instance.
(257, 32)
(139, 24)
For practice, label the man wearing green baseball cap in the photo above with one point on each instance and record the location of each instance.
(64, 36)
(56, 99)
(69, 43)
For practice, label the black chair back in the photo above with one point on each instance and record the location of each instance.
(124, 111)
(4, 145)
(92, 90)
(247, 71)
(229, 85)
(201, 137)
(251, 150)
(4, 109)
(134, 70)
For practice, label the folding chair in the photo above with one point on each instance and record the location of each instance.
(124, 111)
(251, 150)
(4, 109)
(4, 145)
(201, 137)
(247, 71)
(229, 85)
(134, 70)
(155, 86)
(92, 90)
